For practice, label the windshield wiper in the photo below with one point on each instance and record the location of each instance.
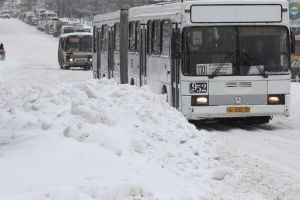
(253, 61)
(220, 66)
(261, 71)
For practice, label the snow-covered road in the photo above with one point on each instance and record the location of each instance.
(266, 156)
(31, 57)
(64, 136)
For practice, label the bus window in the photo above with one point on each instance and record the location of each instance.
(149, 37)
(78, 44)
(61, 43)
(117, 37)
(104, 38)
(86, 44)
(156, 37)
(266, 47)
(138, 36)
(166, 37)
(132, 36)
(95, 39)
(261, 49)
(72, 44)
(207, 47)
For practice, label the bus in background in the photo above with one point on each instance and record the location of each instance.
(75, 50)
(6, 13)
(67, 29)
(47, 15)
(209, 62)
(39, 12)
(57, 27)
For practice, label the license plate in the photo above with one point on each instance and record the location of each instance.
(238, 110)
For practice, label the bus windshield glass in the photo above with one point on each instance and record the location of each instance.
(229, 50)
(79, 44)
(68, 30)
(86, 44)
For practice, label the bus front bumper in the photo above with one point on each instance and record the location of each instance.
(225, 111)
(80, 64)
(210, 112)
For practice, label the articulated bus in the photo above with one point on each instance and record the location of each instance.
(218, 59)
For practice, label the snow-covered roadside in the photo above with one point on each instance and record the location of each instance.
(64, 136)
(96, 135)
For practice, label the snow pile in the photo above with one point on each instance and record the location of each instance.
(65, 138)
(100, 140)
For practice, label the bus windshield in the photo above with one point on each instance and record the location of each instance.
(236, 51)
(79, 44)
(68, 30)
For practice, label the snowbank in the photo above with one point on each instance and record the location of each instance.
(99, 140)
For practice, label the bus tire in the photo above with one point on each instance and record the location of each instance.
(66, 67)
(60, 63)
(164, 91)
(132, 82)
(258, 120)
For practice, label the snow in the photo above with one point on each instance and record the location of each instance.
(64, 136)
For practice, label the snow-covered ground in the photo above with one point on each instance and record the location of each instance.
(64, 136)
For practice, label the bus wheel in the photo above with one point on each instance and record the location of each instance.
(66, 67)
(132, 82)
(258, 120)
(60, 63)
(164, 91)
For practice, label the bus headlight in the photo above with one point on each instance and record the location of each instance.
(276, 99)
(199, 100)
(71, 59)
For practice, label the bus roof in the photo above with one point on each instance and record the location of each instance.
(173, 9)
(238, 1)
(76, 34)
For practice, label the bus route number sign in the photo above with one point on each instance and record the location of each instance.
(198, 88)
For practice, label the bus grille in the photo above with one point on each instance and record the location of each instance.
(238, 84)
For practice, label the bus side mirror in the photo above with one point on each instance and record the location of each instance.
(176, 44)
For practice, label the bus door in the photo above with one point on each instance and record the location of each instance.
(110, 58)
(143, 46)
(104, 51)
(98, 61)
(175, 65)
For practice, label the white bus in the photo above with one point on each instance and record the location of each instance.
(47, 15)
(213, 59)
(75, 50)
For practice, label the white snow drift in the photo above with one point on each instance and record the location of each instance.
(64, 136)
